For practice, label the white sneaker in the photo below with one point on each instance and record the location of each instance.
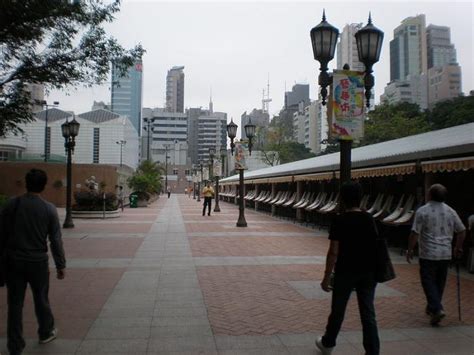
(53, 335)
(324, 350)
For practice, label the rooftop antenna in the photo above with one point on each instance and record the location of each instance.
(211, 106)
(266, 100)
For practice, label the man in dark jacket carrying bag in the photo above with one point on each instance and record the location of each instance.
(27, 222)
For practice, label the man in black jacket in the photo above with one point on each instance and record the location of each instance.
(27, 222)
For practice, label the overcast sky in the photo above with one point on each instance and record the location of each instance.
(234, 46)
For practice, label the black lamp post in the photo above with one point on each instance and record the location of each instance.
(212, 153)
(44, 103)
(194, 182)
(223, 156)
(166, 167)
(149, 130)
(69, 130)
(250, 133)
(231, 132)
(200, 167)
(122, 143)
(369, 44)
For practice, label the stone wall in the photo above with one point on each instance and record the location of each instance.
(12, 178)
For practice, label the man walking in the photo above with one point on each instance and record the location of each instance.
(26, 223)
(208, 193)
(433, 227)
(168, 190)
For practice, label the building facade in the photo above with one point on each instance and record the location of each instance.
(212, 132)
(413, 90)
(408, 52)
(175, 90)
(347, 48)
(126, 93)
(96, 143)
(444, 83)
(440, 49)
(259, 118)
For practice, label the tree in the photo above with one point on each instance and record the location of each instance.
(457, 111)
(387, 122)
(146, 180)
(58, 43)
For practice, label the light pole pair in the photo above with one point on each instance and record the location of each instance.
(122, 143)
(149, 130)
(250, 133)
(44, 103)
(369, 44)
(69, 130)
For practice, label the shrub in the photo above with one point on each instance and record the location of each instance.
(146, 180)
(93, 201)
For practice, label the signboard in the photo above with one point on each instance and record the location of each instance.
(347, 104)
(240, 163)
(217, 168)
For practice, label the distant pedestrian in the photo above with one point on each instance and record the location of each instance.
(168, 190)
(190, 190)
(208, 193)
(433, 228)
(26, 223)
(351, 256)
(185, 190)
(120, 197)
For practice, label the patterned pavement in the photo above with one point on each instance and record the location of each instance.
(166, 280)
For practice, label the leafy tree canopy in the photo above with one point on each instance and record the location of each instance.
(58, 43)
(457, 111)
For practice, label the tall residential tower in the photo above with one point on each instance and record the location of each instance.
(175, 90)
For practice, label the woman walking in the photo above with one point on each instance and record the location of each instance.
(351, 256)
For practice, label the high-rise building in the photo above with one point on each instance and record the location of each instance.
(414, 90)
(347, 48)
(440, 49)
(212, 132)
(36, 95)
(408, 52)
(127, 93)
(444, 83)
(298, 93)
(307, 126)
(175, 90)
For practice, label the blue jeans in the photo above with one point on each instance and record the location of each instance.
(433, 274)
(364, 285)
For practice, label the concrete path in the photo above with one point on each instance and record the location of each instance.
(166, 280)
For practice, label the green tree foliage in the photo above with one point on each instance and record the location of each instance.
(457, 111)
(146, 180)
(293, 151)
(58, 43)
(387, 122)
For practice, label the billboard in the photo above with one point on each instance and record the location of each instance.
(240, 163)
(347, 105)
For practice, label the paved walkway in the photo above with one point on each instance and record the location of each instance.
(165, 280)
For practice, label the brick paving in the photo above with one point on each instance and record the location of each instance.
(165, 280)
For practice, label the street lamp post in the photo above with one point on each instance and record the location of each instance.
(223, 155)
(250, 133)
(194, 181)
(212, 153)
(69, 130)
(149, 130)
(166, 168)
(44, 103)
(200, 166)
(369, 44)
(122, 143)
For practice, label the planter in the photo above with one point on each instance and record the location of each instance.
(142, 203)
(95, 214)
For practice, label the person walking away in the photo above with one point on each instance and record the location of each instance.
(120, 197)
(433, 228)
(26, 223)
(208, 193)
(168, 190)
(351, 256)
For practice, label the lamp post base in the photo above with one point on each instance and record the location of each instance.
(68, 223)
(241, 222)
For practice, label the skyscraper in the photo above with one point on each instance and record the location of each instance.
(175, 90)
(347, 48)
(440, 49)
(408, 54)
(127, 93)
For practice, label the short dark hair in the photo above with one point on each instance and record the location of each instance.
(36, 180)
(351, 194)
(438, 193)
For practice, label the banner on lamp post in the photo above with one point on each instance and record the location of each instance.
(347, 105)
(240, 163)
(217, 168)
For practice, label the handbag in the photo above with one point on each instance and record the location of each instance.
(384, 270)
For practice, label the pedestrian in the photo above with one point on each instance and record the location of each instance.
(168, 190)
(185, 190)
(350, 264)
(120, 197)
(190, 190)
(433, 228)
(26, 223)
(208, 193)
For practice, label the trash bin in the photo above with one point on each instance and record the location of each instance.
(133, 200)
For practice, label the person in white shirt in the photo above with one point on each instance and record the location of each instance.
(433, 228)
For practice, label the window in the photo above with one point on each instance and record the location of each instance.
(3, 156)
(175, 171)
(187, 172)
(95, 147)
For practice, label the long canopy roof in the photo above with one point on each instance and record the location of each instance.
(444, 143)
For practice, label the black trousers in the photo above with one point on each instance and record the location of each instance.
(364, 285)
(433, 274)
(21, 273)
(207, 202)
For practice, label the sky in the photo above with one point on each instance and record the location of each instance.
(233, 47)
